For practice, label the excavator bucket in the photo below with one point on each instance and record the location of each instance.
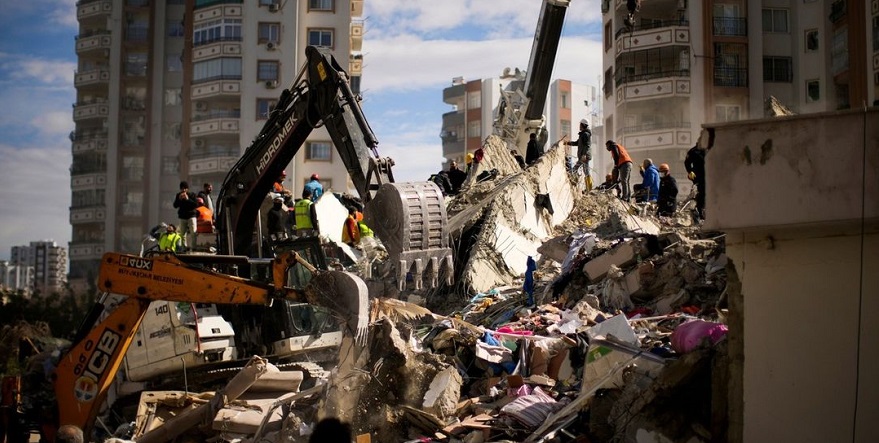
(411, 221)
(344, 294)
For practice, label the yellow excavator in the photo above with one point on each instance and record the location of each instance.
(85, 372)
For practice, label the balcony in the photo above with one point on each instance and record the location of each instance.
(90, 110)
(86, 251)
(94, 142)
(217, 88)
(730, 26)
(731, 77)
(656, 136)
(454, 94)
(93, 43)
(453, 119)
(92, 9)
(89, 214)
(219, 47)
(661, 85)
(212, 165)
(654, 36)
(88, 181)
(355, 65)
(95, 77)
(215, 126)
(356, 8)
(623, 78)
(356, 35)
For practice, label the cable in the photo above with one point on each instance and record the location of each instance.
(861, 279)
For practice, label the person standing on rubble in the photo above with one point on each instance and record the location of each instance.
(584, 151)
(695, 165)
(170, 240)
(315, 187)
(205, 194)
(186, 204)
(276, 219)
(648, 191)
(305, 215)
(456, 177)
(533, 151)
(668, 192)
(622, 166)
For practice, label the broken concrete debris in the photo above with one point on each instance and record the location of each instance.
(618, 344)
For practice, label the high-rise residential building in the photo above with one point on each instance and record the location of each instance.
(39, 267)
(176, 90)
(475, 105)
(685, 63)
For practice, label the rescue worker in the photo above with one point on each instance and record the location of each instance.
(276, 219)
(456, 177)
(204, 218)
(468, 159)
(622, 167)
(205, 194)
(315, 187)
(186, 204)
(648, 190)
(279, 188)
(170, 240)
(695, 166)
(350, 230)
(519, 159)
(533, 151)
(609, 184)
(668, 192)
(584, 151)
(305, 215)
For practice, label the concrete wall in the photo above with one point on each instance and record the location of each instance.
(809, 271)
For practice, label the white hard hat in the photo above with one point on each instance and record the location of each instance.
(584, 122)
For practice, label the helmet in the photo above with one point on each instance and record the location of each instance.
(583, 121)
(283, 173)
(469, 157)
(200, 200)
(315, 177)
(663, 167)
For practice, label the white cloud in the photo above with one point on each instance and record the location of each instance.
(52, 72)
(54, 123)
(60, 12)
(37, 201)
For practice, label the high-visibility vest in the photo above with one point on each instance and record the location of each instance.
(302, 210)
(346, 235)
(364, 230)
(168, 241)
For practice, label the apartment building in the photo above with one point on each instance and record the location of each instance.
(475, 105)
(686, 63)
(40, 267)
(176, 90)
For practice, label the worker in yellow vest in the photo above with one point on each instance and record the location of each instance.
(305, 216)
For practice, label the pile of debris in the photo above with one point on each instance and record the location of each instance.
(584, 317)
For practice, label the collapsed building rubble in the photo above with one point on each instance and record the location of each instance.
(622, 340)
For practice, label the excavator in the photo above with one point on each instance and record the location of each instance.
(85, 372)
(409, 218)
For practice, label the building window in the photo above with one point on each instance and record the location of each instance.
(474, 128)
(267, 70)
(811, 40)
(175, 28)
(563, 101)
(267, 2)
(320, 5)
(227, 29)
(876, 34)
(320, 37)
(474, 100)
(174, 63)
(608, 35)
(173, 97)
(225, 68)
(777, 69)
(813, 91)
(264, 106)
(839, 51)
(608, 81)
(172, 131)
(269, 32)
(775, 20)
(727, 113)
(319, 151)
(132, 168)
(136, 64)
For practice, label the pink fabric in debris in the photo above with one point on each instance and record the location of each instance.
(689, 336)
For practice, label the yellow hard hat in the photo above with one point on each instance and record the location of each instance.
(469, 158)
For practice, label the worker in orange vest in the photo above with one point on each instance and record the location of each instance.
(622, 167)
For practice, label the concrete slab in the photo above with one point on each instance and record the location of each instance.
(620, 256)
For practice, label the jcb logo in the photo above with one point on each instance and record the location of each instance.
(136, 263)
(92, 366)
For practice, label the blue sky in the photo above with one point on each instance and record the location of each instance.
(412, 50)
